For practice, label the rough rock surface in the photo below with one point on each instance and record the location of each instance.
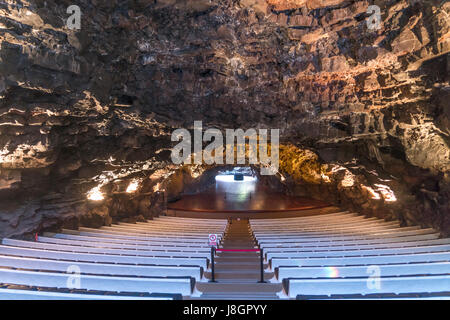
(96, 106)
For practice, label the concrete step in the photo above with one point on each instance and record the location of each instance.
(251, 296)
(237, 267)
(238, 287)
(252, 276)
(235, 259)
(239, 243)
(239, 247)
(242, 294)
(238, 253)
(243, 255)
(248, 265)
(241, 281)
(236, 271)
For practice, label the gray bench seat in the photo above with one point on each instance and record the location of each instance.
(330, 231)
(167, 224)
(327, 224)
(121, 245)
(335, 215)
(170, 232)
(288, 248)
(142, 237)
(14, 294)
(350, 253)
(366, 260)
(102, 258)
(182, 285)
(68, 248)
(101, 268)
(148, 241)
(311, 236)
(438, 268)
(328, 228)
(395, 285)
(143, 234)
(326, 243)
(182, 219)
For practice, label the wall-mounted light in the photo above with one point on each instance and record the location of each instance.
(373, 194)
(157, 187)
(133, 186)
(386, 192)
(3, 154)
(195, 175)
(348, 180)
(95, 194)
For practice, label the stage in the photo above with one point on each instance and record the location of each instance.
(260, 204)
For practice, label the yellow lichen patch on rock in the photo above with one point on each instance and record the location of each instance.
(300, 164)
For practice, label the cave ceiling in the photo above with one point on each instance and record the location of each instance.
(309, 68)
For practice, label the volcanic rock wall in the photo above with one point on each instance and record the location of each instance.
(96, 106)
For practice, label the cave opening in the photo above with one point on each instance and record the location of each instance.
(237, 181)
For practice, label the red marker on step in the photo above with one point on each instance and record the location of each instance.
(36, 237)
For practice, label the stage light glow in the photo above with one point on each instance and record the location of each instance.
(227, 184)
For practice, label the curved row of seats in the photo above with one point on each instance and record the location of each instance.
(345, 255)
(159, 259)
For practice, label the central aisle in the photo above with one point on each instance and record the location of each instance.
(237, 273)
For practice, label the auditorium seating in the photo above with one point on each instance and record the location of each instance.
(159, 259)
(338, 255)
(344, 255)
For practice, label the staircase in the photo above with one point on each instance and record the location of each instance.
(237, 274)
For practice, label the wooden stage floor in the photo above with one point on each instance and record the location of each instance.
(261, 204)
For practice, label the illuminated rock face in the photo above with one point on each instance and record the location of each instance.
(84, 108)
